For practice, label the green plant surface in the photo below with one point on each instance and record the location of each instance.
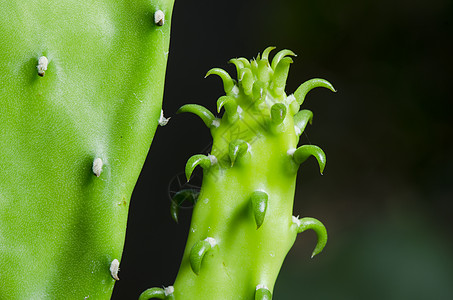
(81, 96)
(242, 224)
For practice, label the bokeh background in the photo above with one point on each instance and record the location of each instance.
(386, 194)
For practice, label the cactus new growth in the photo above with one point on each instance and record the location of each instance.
(243, 224)
(81, 97)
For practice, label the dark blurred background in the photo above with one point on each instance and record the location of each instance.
(386, 194)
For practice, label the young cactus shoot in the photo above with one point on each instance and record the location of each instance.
(243, 224)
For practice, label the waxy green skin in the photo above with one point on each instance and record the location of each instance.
(101, 96)
(242, 224)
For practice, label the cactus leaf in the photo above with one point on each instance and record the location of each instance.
(281, 54)
(201, 111)
(262, 293)
(301, 119)
(303, 152)
(229, 103)
(320, 230)
(247, 81)
(237, 148)
(280, 76)
(278, 113)
(308, 85)
(238, 64)
(198, 251)
(259, 201)
(152, 293)
(194, 161)
(179, 198)
(254, 66)
(258, 91)
(228, 82)
(264, 70)
(245, 61)
(266, 52)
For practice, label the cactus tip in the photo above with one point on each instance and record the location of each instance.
(97, 167)
(114, 268)
(42, 65)
(159, 18)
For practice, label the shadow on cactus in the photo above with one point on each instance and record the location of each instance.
(243, 224)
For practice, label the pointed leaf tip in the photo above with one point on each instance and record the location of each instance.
(228, 82)
(237, 148)
(278, 113)
(304, 152)
(308, 85)
(205, 115)
(245, 61)
(198, 251)
(266, 52)
(301, 119)
(259, 201)
(280, 76)
(320, 230)
(230, 105)
(247, 81)
(238, 64)
(194, 161)
(153, 293)
(281, 54)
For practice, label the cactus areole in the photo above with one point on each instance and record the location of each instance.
(80, 100)
(243, 224)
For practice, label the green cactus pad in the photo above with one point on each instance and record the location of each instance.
(81, 96)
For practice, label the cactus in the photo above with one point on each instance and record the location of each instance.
(242, 224)
(81, 96)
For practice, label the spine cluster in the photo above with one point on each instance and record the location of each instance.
(243, 224)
